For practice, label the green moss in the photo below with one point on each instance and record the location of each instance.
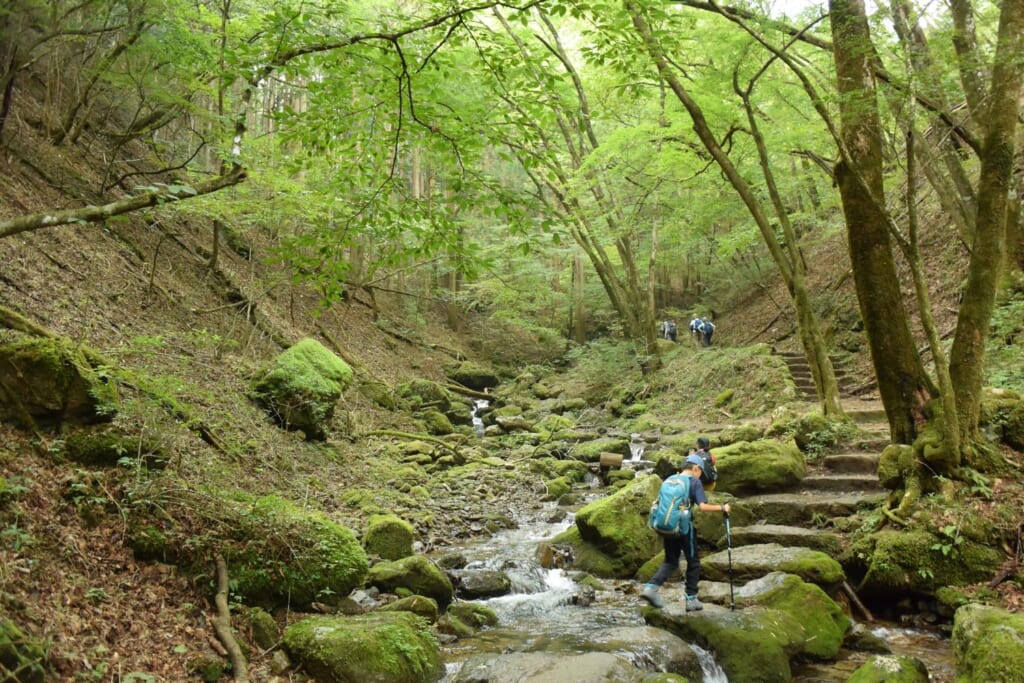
(556, 488)
(388, 537)
(890, 669)
(386, 647)
(416, 574)
(590, 451)
(617, 524)
(302, 385)
(724, 398)
(265, 632)
(419, 605)
(421, 393)
(988, 644)
(473, 614)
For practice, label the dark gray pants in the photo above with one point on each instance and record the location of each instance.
(676, 546)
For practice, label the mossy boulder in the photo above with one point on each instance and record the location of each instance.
(277, 552)
(895, 562)
(384, 647)
(423, 393)
(890, 669)
(50, 383)
(754, 466)
(420, 605)
(616, 526)
(1013, 433)
(301, 387)
(291, 555)
(435, 422)
(823, 621)
(388, 537)
(590, 451)
(463, 619)
(813, 432)
(22, 658)
(380, 394)
(549, 667)
(107, 447)
(988, 643)
(412, 575)
(754, 645)
(473, 376)
(895, 463)
(265, 632)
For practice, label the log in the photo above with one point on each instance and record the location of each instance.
(611, 460)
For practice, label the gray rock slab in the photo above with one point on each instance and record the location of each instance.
(794, 536)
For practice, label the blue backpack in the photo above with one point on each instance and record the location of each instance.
(670, 513)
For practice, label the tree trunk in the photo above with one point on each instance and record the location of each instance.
(967, 357)
(902, 381)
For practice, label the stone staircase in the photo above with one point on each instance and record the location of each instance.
(800, 371)
(836, 485)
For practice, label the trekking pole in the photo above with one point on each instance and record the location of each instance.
(728, 545)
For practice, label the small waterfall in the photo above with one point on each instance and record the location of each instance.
(636, 447)
(478, 422)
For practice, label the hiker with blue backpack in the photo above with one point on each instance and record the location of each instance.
(672, 518)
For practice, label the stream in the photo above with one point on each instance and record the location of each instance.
(546, 611)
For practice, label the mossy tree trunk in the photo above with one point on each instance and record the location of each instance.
(999, 116)
(902, 381)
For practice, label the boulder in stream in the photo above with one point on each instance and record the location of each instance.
(890, 669)
(385, 647)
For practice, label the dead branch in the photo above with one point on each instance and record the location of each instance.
(466, 391)
(94, 214)
(222, 623)
(414, 437)
(850, 593)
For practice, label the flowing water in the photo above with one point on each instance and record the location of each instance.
(548, 611)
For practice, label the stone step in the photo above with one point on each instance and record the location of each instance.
(851, 463)
(795, 536)
(869, 443)
(749, 562)
(841, 482)
(800, 509)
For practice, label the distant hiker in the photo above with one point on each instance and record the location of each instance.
(697, 330)
(684, 544)
(668, 330)
(709, 470)
(708, 328)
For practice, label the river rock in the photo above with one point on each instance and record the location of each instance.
(988, 643)
(652, 649)
(388, 537)
(753, 645)
(544, 667)
(473, 376)
(611, 538)
(392, 647)
(480, 584)
(891, 669)
(754, 561)
(416, 574)
(420, 605)
(755, 466)
(823, 621)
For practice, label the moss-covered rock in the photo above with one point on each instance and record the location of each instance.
(752, 466)
(265, 632)
(388, 537)
(106, 447)
(895, 463)
(50, 382)
(473, 613)
(419, 605)
(895, 562)
(617, 525)
(556, 488)
(22, 658)
(814, 433)
(823, 621)
(754, 645)
(277, 552)
(988, 643)
(385, 647)
(473, 376)
(435, 422)
(301, 387)
(380, 393)
(590, 451)
(423, 393)
(890, 669)
(413, 575)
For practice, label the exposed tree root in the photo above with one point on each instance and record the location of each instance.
(466, 391)
(222, 623)
(852, 594)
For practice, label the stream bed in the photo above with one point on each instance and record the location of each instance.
(547, 611)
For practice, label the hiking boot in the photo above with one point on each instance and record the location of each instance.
(650, 594)
(693, 604)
